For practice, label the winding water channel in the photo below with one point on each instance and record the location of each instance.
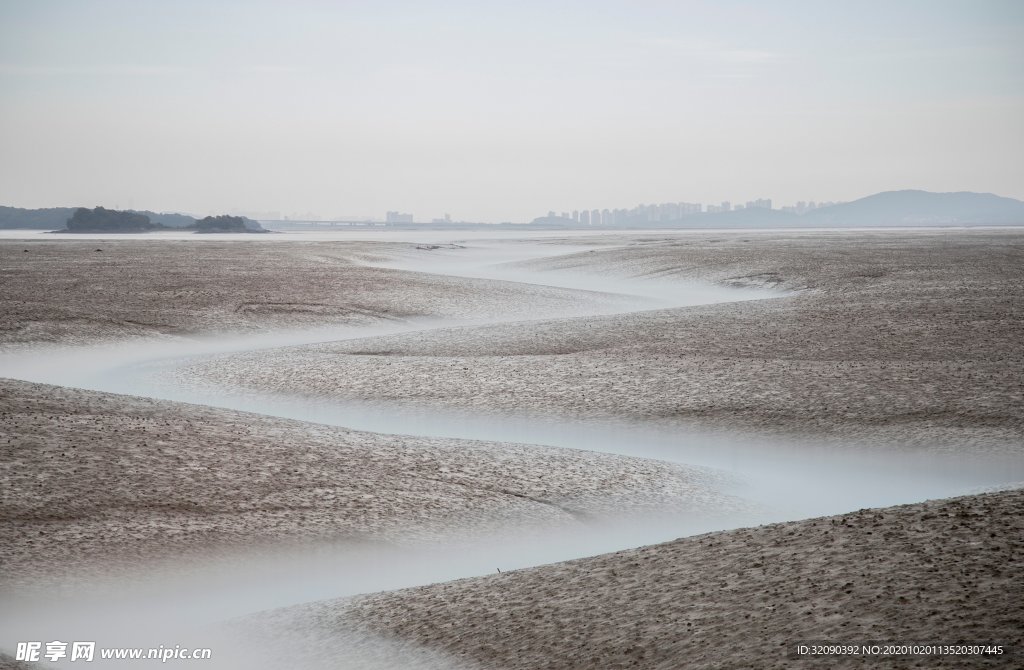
(781, 481)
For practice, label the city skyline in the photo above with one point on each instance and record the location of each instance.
(685, 208)
(577, 215)
(672, 211)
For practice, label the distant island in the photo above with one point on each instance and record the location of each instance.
(103, 220)
(228, 224)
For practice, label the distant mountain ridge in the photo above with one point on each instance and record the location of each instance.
(35, 219)
(920, 208)
(55, 218)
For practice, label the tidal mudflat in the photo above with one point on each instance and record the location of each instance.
(942, 570)
(887, 337)
(898, 347)
(87, 291)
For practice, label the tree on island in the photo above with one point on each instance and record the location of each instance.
(220, 223)
(104, 220)
(227, 224)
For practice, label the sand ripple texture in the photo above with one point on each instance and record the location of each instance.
(92, 477)
(940, 571)
(90, 291)
(913, 338)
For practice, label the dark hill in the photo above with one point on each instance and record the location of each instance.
(55, 218)
(50, 218)
(103, 220)
(228, 224)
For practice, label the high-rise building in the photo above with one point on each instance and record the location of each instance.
(398, 217)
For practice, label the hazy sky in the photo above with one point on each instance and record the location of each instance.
(502, 111)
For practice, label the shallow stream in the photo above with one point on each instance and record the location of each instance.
(782, 481)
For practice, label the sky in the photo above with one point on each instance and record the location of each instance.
(503, 111)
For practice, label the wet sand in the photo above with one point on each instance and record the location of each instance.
(898, 341)
(942, 571)
(96, 483)
(894, 338)
(59, 291)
